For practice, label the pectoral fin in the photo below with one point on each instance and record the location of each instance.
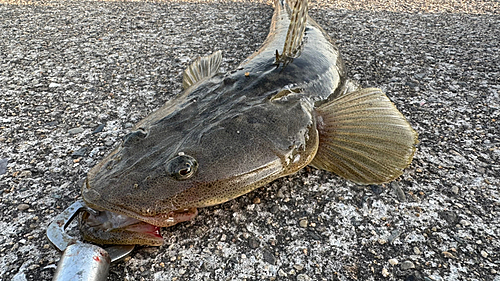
(364, 138)
(202, 68)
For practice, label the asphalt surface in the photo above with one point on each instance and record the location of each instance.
(75, 76)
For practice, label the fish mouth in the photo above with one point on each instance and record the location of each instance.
(120, 226)
(106, 227)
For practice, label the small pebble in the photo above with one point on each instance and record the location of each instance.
(20, 276)
(256, 200)
(253, 243)
(25, 174)
(75, 131)
(280, 193)
(79, 153)
(3, 165)
(416, 250)
(399, 192)
(382, 241)
(393, 261)
(303, 277)
(274, 209)
(99, 129)
(282, 273)
(298, 267)
(394, 234)
(22, 207)
(268, 257)
(484, 254)
(465, 222)
(385, 272)
(448, 255)
(407, 265)
(303, 223)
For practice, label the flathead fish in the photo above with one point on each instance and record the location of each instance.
(287, 106)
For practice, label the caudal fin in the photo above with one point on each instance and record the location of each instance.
(364, 138)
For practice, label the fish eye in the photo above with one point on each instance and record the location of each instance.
(181, 167)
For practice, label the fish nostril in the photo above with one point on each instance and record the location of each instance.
(181, 167)
(134, 137)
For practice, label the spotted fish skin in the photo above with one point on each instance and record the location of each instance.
(229, 133)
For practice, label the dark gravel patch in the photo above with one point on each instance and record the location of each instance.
(75, 76)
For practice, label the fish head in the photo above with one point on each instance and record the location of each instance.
(194, 153)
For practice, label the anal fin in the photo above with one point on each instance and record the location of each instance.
(201, 68)
(364, 138)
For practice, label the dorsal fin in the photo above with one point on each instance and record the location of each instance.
(201, 68)
(295, 34)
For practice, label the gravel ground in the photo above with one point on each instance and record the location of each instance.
(75, 76)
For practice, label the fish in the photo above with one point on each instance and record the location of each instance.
(288, 105)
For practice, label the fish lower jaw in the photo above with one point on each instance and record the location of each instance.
(106, 227)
